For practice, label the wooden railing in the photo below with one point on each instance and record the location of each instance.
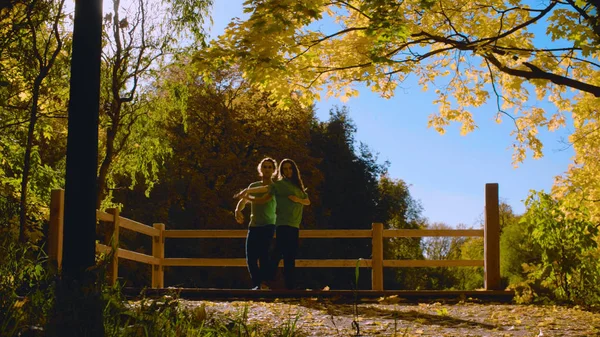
(377, 234)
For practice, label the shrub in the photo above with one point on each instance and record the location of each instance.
(567, 268)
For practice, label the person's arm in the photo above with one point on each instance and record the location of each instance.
(260, 200)
(258, 189)
(239, 217)
(245, 192)
(302, 201)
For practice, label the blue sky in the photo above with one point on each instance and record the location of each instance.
(447, 173)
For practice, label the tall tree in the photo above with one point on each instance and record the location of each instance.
(139, 36)
(219, 128)
(77, 309)
(45, 54)
(31, 49)
(78, 295)
(351, 173)
(349, 196)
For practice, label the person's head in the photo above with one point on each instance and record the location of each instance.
(267, 168)
(289, 170)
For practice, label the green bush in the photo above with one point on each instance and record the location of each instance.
(469, 278)
(25, 287)
(27, 299)
(516, 250)
(166, 316)
(568, 267)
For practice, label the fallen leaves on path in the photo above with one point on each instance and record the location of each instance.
(318, 317)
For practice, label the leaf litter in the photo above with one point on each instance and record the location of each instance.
(388, 317)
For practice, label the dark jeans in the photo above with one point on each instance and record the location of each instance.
(257, 251)
(287, 248)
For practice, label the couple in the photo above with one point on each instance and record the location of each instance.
(276, 202)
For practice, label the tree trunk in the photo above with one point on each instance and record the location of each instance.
(45, 66)
(33, 116)
(78, 309)
(111, 134)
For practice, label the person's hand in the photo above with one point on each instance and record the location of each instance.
(239, 217)
(241, 194)
(293, 198)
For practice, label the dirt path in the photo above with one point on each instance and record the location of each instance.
(385, 318)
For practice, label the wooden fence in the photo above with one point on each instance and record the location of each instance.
(158, 233)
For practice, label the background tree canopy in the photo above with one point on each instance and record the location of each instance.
(225, 129)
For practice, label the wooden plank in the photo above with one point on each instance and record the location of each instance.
(491, 246)
(433, 263)
(241, 233)
(237, 262)
(138, 257)
(338, 263)
(325, 233)
(203, 262)
(100, 248)
(240, 262)
(56, 227)
(129, 255)
(415, 233)
(335, 233)
(112, 238)
(206, 233)
(377, 256)
(158, 251)
(103, 216)
(138, 227)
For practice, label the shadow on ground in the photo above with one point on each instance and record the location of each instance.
(442, 319)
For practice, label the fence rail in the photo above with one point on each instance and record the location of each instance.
(490, 233)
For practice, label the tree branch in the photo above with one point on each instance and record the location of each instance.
(533, 73)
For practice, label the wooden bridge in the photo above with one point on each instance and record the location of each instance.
(377, 234)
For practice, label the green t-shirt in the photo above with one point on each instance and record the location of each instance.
(289, 213)
(263, 214)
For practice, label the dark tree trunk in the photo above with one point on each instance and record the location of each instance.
(111, 135)
(27, 160)
(45, 66)
(78, 308)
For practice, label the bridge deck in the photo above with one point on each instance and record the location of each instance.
(407, 296)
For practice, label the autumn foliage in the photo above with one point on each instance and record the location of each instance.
(182, 128)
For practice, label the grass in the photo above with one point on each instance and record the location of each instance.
(27, 299)
(167, 317)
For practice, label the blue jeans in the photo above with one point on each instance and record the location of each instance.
(287, 248)
(257, 251)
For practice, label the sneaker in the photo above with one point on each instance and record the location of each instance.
(256, 288)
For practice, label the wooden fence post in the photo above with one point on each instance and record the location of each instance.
(377, 257)
(55, 232)
(158, 251)
(112, 239)
(492, 238)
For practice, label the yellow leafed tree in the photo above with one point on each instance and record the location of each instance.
(512, 54)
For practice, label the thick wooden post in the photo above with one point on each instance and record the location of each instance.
(377, 257)
(158, 251)
(112, 239)
(492, 238)
(55, 232)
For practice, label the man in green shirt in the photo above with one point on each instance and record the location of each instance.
(261, 226)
